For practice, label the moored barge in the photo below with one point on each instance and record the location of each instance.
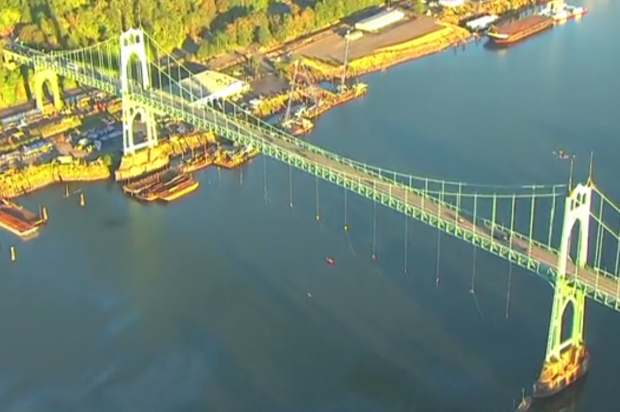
(519, 29)
(18, 220)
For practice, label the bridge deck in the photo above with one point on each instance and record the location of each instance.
(597, 284)
(586, 276)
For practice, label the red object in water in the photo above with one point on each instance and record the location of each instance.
(330, 261)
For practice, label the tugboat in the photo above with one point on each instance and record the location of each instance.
(525, 404)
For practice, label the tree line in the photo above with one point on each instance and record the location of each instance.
(205, 28)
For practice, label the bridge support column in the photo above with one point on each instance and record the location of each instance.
(567, 360)
(133, 48)
(42, 77)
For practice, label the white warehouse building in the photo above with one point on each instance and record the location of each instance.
(379, 21)
(214, 86)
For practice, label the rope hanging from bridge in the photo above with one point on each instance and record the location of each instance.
(474, 262)
(290, 186)
(317, 215)
(346, 223)
(374, 228)
(98, 66)
(265, 195)
(406, 252)
(510, 240)
(385, 173)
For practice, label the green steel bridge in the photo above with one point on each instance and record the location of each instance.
(529, 226)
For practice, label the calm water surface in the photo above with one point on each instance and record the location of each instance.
(223, 301)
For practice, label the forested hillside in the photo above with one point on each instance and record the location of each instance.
(216, 25)
(211, 26)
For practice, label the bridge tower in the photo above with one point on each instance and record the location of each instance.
(41, 78)
(133, 46)
(567, 359)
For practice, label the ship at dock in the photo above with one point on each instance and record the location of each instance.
(19, 221)
(518, 30)
(323, 100)
(165, 186)
(562, 12)
(295, 124)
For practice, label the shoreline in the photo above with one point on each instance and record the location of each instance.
(19, 182)
(387, 57)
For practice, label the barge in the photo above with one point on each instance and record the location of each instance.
(18, 220)
(348, 93)
(297, 126)
(179, 190)
(559, 374)
(151, 193)
(197, 163)
(519, 29)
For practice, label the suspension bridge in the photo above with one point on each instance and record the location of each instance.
(529, 226)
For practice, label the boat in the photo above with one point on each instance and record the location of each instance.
(297, 126)
(19, 221)
(525, 404)
(519, 29)
(229, 159)
(133, 188)
(564, 12)
(330, 261)
(348, 93)
(152, 192)
(177, 191)
(196, 163)
(561, 373)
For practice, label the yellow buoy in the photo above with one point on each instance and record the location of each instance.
(317, 217)
(82, 200)
(346, 228)
(13, 254)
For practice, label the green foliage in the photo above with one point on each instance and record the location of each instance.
(228, 25)
(419, 6)
(107, 159)
(216, 26)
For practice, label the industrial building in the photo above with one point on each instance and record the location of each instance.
(380, 20)
(451, 3)
(210, 85)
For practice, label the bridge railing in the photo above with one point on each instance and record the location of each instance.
(237, 126)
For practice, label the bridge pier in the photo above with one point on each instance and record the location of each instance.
(567, 359)
(41, 77)
(133, 48)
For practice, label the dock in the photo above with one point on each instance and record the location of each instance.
(19, 221)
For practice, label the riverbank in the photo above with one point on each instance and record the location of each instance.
(435, 38)
(18, 182)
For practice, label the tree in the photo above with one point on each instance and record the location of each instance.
(260, 6)
(263, 35)
(419, 6)
(204, 50)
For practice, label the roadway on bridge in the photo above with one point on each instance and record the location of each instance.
(606, 286)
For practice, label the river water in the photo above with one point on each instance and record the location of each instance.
(223, 301)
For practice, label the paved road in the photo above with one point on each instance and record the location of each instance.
(606, 286)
